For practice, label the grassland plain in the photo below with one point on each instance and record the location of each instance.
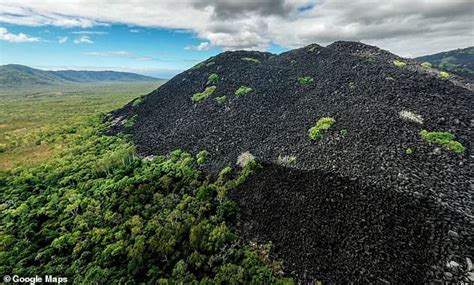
(31, 117)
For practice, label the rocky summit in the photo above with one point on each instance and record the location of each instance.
(366, 157)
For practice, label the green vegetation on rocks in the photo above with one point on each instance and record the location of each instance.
(204, 94)
(131, 121)
(399, 63)
(316, 132)
(214, 77)
(220, 99)
(201, 157)
(443, 75)
(98, 214)
(426, 65)
(305, 80)
(138, 101)
(443, 138)
(242, 90)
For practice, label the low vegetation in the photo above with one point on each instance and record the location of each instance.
(138, 101)
(244, 159)
(242, 90)
(201, 157)
(399, 63)
(443, 75)
(444, 138)
(98, 214)
(343, 132)
(131, 122)
(305, 80)
(214, 77)
(408, 150)
(316, 132)
(220, 99)
(250, 59)
(204, 94)
(31, 118)
(426, 65)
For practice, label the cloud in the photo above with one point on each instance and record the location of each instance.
(62, 40)
(200, 47)
(89, 33)
(134, 31)
(402, 26)
(16, 38)
(122, 53)
(83, 39)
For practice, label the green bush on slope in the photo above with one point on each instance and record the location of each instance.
(316, 132)
(96, 213)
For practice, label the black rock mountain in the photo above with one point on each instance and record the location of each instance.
(459, 61)
(20, 75)
(369, 201)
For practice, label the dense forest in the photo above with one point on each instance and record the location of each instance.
(97, 213)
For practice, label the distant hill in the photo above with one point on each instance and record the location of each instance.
(459, 61)
(20, 75)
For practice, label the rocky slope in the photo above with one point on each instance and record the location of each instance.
(384, 175)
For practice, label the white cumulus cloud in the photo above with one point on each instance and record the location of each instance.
(62, 40)
(16, 38)
(200, 47)
(83, 39)
(89, 33)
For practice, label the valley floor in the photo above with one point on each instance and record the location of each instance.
(30, 117)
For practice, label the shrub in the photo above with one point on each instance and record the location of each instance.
(138, 101)
(443, 75)
(214, 77)
(399, 63)
(3, 147)
(305, 80)
(131, 121)
(250, 59)
(426, 65)
(244, 158)
(201, 157)
(242, 90)
(220, 99)
(315, 133)
(409, 151)
(443, 138)
(410, 116)
(204, 94)
(343, 132)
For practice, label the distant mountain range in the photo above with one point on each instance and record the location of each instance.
(20, 75)
(459, 61)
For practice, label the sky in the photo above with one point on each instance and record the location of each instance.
(163, 38)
